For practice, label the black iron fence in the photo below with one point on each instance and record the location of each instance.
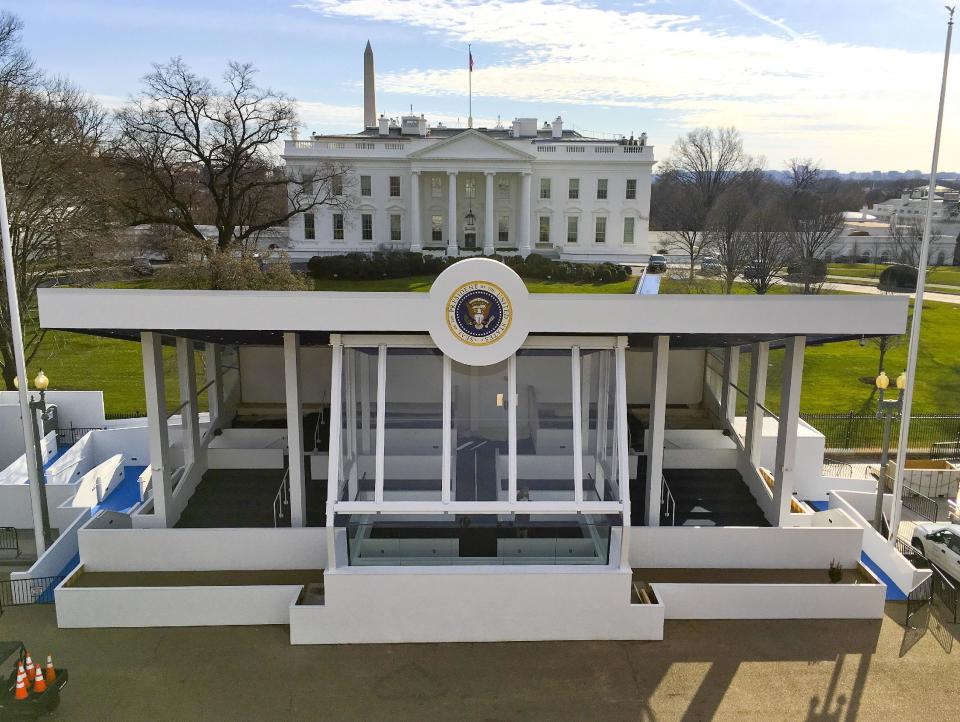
(73, 434)
(9, 540)
(938, 587)
(919, 504)
(863, 433)
(38, 590)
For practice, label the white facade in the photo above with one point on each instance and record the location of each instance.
(473, 191)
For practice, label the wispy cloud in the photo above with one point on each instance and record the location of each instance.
(824, 99)
(767, 19)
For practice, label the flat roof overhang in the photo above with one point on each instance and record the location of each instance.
(261, 317)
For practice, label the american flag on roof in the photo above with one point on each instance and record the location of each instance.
(470, 53)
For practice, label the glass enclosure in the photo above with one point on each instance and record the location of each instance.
(480, 420)
(478, 539)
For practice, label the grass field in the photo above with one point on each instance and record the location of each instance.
(831, 372)
(944, 275)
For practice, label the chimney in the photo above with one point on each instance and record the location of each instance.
(369, 91)
(384, 124)
(557, 128)
(422, 125)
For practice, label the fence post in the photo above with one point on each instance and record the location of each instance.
(848, 439)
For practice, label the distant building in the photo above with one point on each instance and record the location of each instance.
(521, 189)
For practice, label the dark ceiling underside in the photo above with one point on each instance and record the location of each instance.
(321, 338)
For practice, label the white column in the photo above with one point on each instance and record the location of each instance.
(658, 410)
(416, 240)
(623, 449)
(189, 423)
(156, 400)
(452, 248)
(214, 376)
(525, 184)
(512, 403)
(759, 358)
(381, 422)
(728, 395)
(334, 455)
(291, 376)
(445, 472)
(578, 410)
(787, 428)
(489, 248)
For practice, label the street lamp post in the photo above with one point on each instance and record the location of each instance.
(38, 407)
(888, 410)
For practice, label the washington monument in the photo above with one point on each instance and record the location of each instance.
(369, 92)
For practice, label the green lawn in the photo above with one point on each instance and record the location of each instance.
(945, 275)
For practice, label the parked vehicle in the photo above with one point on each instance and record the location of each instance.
(939, 542)
(142, 266)
(657, 264)
(710, 266)
(752, 272)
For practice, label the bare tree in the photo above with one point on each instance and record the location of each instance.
(190, 150)
(681, 216)
(727, 236)
(769, 250)
(709, 159)
(804, 173)
(57, 186)
(907, 236)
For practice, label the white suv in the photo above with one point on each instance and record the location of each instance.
(940, 543)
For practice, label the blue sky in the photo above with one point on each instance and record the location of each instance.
(851, 83)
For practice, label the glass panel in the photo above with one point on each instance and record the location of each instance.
(479, 458)
(544, 425)
(413, 439)
(599, 425)
(478, 539)
(358, 426)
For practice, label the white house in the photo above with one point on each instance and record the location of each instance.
(459, 191)
(475, 463)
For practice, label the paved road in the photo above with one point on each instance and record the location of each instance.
(726, 670)
(862, 280)
(874, 291)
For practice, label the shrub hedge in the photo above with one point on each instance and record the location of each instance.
(401, 264)
(898, 278)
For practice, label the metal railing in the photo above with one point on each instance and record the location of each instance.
(10, 540)
(837, 469)
(73, 434)
(668, 505)
(938, 586)
(919, 504)
(39, 590)
(282, 499)
(947, 450)
(946, 591)
(858, 432)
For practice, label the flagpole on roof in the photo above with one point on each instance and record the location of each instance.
(470, 86)
(918, 303)
(34, 472)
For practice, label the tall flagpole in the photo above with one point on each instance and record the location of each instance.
(470, 85)
(918, 303)
(34, 472)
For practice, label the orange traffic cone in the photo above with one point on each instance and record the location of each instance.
(39, 686)
(28, 667)
(21, 691)
(51, 674)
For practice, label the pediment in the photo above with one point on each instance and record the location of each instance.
(470, 145)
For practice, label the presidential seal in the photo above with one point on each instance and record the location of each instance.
(479, 313)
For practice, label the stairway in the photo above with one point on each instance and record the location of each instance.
(712, 497)
(227, 498)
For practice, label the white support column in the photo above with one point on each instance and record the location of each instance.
(489, 247)
(787, 428)
(658, 410)
(416, 239)
(525, 184)
(623, 449)
(759, 358)
(334, 454)
(445, 472)
(214, 375)
(291, 376)
(366, 431)
(156, 399)
(512, 403)
(189, 421)
(603, 410)
(350, 394)
(576, 397)
(381, 422)
(452, 246)
(728, 395)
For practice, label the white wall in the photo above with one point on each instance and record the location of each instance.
(16, 472)
(261, 375)
(808, 467)
(771, 601)
(814, 547)
(74, 408)
(15, 509)
(684, 376)
(478, 604)
(161, 550)
(97, 483)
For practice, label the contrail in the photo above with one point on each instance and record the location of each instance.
(767, 19)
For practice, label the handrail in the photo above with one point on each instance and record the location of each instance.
(668, 504)
(282, 497)
(919, 503)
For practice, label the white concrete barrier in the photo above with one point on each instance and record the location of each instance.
(157, 550)
(478, 604)
(97, 483)
(808, 547)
